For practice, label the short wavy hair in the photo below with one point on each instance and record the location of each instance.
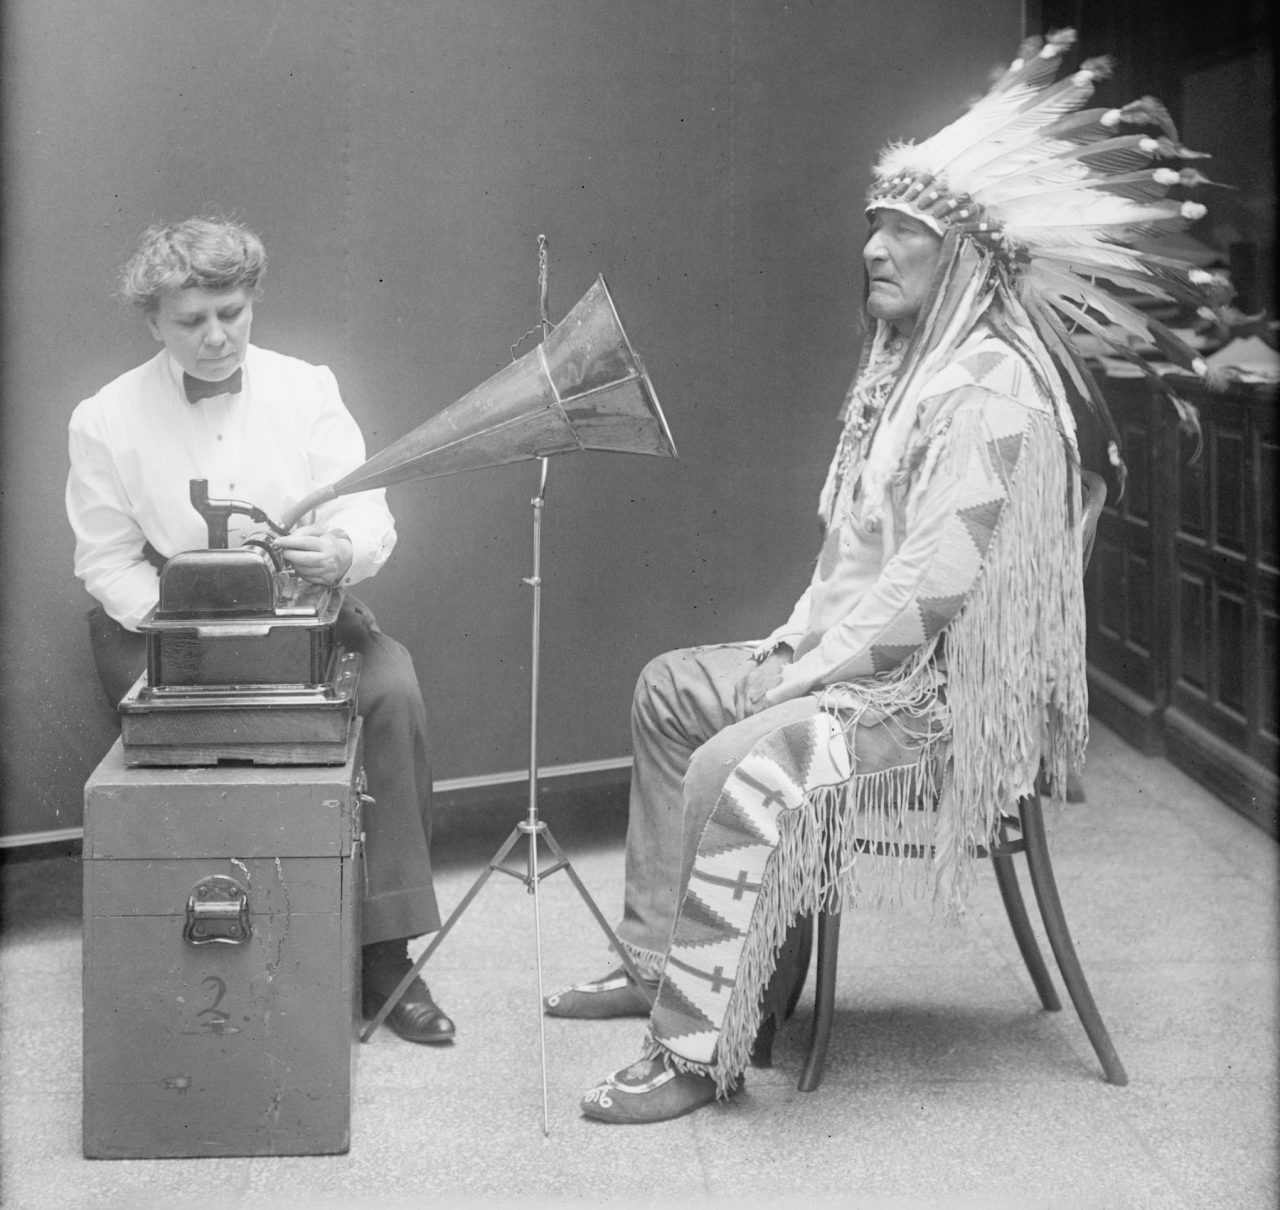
(206, 253)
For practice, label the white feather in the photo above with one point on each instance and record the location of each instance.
(1045, 112)
(1092, 211)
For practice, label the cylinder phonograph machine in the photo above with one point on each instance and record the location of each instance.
(242, 662)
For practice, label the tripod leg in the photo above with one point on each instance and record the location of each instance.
(620, 949)
(403, 985)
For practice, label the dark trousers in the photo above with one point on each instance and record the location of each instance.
(400, 898)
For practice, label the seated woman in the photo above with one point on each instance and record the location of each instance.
(268, 428)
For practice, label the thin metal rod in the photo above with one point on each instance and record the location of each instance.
(533, 825)
(535, 648)
(537, 945)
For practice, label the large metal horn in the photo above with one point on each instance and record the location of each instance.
(582, 388)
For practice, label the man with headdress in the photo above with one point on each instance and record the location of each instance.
(937, 655)
(268, 428)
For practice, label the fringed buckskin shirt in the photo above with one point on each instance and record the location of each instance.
(881, 592)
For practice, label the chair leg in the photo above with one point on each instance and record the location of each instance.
(804, 950)
(1016, 909)
(779, 999)
(824, 1001)
(762, 1048)
(1064, 950)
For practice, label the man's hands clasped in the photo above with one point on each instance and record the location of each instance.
(749, 693)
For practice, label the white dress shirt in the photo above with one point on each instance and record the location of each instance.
(136, 445)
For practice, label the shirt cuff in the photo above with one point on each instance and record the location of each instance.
(345, 578)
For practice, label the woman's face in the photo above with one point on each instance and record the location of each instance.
(205, 331)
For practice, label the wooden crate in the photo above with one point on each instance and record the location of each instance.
(239, 1046)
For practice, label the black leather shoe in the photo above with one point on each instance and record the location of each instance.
(416, 1018)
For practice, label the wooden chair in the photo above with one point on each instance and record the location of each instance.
(1022, 833)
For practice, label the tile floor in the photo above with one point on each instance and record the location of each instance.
(947, 1085)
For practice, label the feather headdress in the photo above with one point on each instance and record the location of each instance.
(1073, 205)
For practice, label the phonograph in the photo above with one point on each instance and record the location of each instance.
(242, 659)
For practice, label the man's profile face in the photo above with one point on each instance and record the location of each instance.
(205, 331)
(901, 255)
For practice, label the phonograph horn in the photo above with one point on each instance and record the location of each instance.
(582, 388)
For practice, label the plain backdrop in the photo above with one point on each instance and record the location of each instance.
(400, 160)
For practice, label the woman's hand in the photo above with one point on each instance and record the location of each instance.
(318, 555)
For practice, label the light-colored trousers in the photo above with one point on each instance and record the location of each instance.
(686, 739)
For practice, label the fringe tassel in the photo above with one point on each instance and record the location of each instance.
(1015, 666)
(647, 962)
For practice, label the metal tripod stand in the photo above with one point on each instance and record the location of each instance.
(531, 827)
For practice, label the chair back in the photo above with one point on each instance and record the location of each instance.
(1094, 489)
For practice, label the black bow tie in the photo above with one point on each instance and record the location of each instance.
(198, 389)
